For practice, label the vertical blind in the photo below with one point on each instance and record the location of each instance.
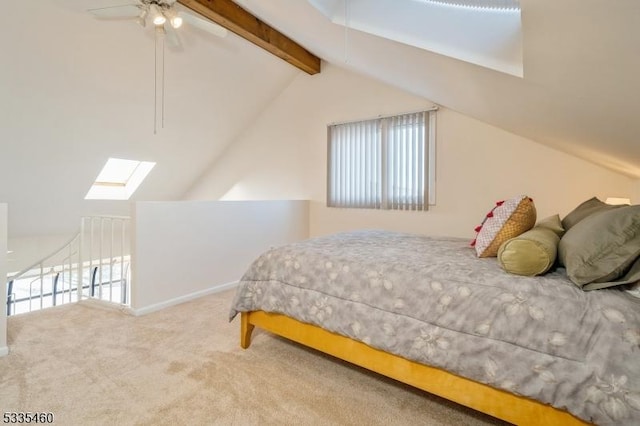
(380, 163)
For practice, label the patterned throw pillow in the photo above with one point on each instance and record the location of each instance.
(508, 219)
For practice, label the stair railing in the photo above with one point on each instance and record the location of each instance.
(96, 258)
(37, 273)
(105, 248)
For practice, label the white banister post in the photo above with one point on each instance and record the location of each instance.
(111, 262)
(101, 242)
(123, 289)
(80, 260)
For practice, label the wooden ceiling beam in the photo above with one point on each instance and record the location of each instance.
(234, 18)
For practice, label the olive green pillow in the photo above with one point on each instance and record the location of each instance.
(534, 252)
(599, 250)
(587, 208)
(553, 223)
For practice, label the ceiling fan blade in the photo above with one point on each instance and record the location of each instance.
(124, 11)
(203, 24)
(172, 38)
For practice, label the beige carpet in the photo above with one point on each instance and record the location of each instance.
(183, 365)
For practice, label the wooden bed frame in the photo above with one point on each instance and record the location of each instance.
(497, 403)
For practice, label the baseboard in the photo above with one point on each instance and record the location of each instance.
(4, 351)
(162, 305)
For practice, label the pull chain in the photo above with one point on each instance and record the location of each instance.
(159, 62)
(155, 83)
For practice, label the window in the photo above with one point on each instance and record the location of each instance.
(385, 163)
(119, 179)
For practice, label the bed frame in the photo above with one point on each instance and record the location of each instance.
(497, 403)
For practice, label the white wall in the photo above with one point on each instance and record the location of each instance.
(183, 250)
(4, 350)
(477, 165)
(283, 155)
(79, 90)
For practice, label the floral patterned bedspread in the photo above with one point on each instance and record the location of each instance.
(433, 301)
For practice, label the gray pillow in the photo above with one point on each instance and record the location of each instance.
(600, 249)
(587, 208)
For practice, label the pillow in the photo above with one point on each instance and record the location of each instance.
(599, 251)
(587, 208)
(553, 223)
(534, 252)
(508, 219)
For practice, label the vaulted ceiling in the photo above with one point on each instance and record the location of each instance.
(233, 17)
(580, 88)
(76, 91)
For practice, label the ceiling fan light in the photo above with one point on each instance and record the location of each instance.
(159, 20)
(176, 22)
(173, 17)
(156, 15)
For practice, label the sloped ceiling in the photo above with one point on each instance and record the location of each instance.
(76, 90)
(580, 88)
(489, 37)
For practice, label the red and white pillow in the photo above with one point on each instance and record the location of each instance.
(506, 220)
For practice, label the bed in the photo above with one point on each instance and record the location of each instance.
(427, 312)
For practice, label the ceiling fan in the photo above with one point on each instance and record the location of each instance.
(165, 15)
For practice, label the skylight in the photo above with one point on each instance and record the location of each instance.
(119, 179)
(482, 32)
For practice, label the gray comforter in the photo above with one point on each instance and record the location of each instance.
(433, 301)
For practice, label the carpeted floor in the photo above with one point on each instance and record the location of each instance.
(183, 366)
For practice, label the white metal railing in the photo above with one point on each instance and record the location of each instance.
(104, 244)
(95, 263)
